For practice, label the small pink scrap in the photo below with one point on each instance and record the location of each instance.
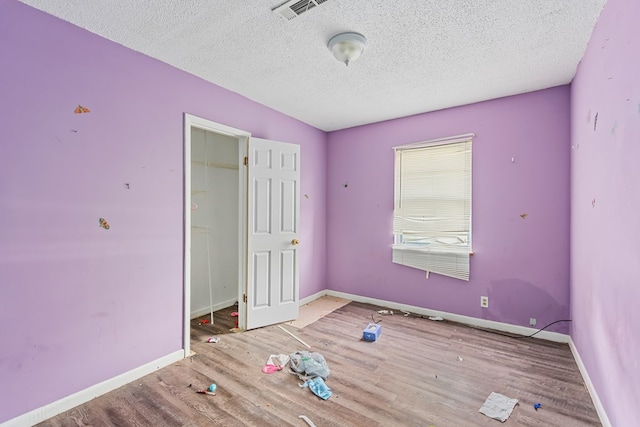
(270, 369)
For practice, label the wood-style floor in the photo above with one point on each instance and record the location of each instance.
(418, 373)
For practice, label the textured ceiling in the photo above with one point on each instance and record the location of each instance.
(422, 55)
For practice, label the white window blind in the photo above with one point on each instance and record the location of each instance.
(432, 214)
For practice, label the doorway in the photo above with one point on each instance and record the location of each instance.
(215, 214)
(214, 221)
(236, 185)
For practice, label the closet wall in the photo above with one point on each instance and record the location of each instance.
(214, 221)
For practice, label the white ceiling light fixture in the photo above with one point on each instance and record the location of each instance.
(347, 47)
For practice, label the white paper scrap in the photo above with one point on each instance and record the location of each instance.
(498, 406)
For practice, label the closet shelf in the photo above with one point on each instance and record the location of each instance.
(215, 164)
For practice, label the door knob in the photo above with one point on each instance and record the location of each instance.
(295, 241)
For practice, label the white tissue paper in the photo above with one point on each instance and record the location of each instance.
(498, 406)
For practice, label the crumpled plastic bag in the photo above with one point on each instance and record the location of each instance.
(308, 365)
(318, 387)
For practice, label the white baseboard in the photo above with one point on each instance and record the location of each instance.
(312, 298)
(207, 310)
(59, 406)
(467, 320)
(604, 419)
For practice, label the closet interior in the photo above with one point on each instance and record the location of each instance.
(214, 221)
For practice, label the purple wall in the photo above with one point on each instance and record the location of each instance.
(80, 304)
(521, 264)
(605, 201)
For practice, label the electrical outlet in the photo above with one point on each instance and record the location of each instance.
(532, 321)
(484, 302)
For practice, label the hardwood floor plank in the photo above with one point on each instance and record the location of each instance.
(418, 373)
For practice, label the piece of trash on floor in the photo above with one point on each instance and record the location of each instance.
(294, 337)
(206, 391)
(460, 359)
(270, 369)
(307, 365)
(234, 314)
(212, 388)
(537, 405)
(436, 318)
(213, 339)
(498, 406)
(385, 312)
(372, 332)
(318, 387)
(203, 322)
(278, 359)
(307, 420)
(275, 363)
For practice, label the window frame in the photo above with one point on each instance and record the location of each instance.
(437, 256)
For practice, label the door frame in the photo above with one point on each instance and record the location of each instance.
(191, 121)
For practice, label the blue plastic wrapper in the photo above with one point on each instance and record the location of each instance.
(318, 387)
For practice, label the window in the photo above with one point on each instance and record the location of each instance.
(432, 210)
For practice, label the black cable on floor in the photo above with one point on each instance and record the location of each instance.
(520, 336)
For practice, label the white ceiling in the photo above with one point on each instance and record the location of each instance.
(422, 55)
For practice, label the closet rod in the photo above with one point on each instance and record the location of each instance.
(216, 164)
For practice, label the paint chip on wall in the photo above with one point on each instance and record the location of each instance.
(80, 109)
(595, 122)
(524, 215)
(104, 224)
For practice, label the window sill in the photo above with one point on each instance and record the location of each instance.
(433, 249)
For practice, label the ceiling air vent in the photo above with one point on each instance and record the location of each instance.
(295, 8)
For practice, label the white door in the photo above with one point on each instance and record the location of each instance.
(273, 232)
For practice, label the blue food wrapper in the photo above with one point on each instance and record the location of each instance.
(318, 387)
